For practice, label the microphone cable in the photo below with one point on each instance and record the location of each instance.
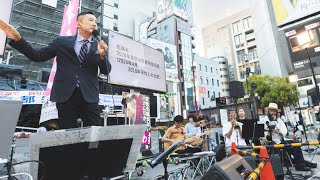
(109, 82)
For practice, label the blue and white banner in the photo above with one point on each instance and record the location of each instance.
(37, 97)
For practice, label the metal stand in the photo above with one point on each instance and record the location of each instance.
(126, 120)
(165, 166)
(105, 114)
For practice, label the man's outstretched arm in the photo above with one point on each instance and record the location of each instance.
(24, 47)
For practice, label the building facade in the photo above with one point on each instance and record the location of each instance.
(207, 84)
(39, 24)
(122, 15)
(236, 34)
(287, 42)
(218, 54)
(271, 43)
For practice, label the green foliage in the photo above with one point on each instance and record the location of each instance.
(273, 89)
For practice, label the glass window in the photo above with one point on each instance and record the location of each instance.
(240, 56)
(237, 27)
(208, 94)
(211, 69)
(212, 81)
(202, 101)
(201, 80)
(206, 68)
(239, 41)
(252, 53)
(207, 81)
(305, 39)
(218, 83)
(200, 67)
(247, 23)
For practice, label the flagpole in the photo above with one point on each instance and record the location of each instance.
(79, 8)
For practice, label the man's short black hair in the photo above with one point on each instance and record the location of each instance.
(193, 116)
(178, 118)
(84, 13)
(232, 109)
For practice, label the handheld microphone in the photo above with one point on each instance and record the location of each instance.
(96, 34)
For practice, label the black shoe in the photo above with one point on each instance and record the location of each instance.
(303, 168)
(310, 164)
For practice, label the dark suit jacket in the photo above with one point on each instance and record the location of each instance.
(69, 68)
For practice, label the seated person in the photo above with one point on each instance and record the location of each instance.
(191, 129)
(175, 133)
(275, 134)
(232, 132)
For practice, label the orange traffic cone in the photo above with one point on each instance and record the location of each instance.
(233, 146)
(266, 172)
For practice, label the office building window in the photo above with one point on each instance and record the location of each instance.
(211, 69)
(200, 67)
(115, 16)
(207, 81)
(214, 94)
(202, 101)
(201, 80)
(239, 40)
(116, 5)
(208, 94)
(247, 23)
(237, 27)
(218, 83)
(240, 56)
(212, 81)
(252, 53)
(206, 68)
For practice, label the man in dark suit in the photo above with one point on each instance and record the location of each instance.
(75, 88)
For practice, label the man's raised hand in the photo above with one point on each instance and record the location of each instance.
(10, 31)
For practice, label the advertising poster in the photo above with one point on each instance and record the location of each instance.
(170, 56)
(286, 11)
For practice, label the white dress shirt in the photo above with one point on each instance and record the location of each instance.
(235, 136)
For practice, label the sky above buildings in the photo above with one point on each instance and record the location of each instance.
(206, 12)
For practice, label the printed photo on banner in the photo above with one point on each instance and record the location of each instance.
(170, 56)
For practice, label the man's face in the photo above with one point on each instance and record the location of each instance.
(178, 124)
(241, 112)
(273, 111)
(232, 115)
(87, 23)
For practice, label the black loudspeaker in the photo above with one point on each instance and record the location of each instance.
(153, 106)
(236, 89)
(277, 166)
(234, 167)
(220, 152)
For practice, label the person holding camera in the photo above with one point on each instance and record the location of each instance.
(275, 132)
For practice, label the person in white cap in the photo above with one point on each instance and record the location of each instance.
(275, 132)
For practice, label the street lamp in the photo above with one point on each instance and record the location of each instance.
(193, 68)
(293, 79)
(246, 60)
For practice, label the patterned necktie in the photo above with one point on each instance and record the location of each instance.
(83, 51)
